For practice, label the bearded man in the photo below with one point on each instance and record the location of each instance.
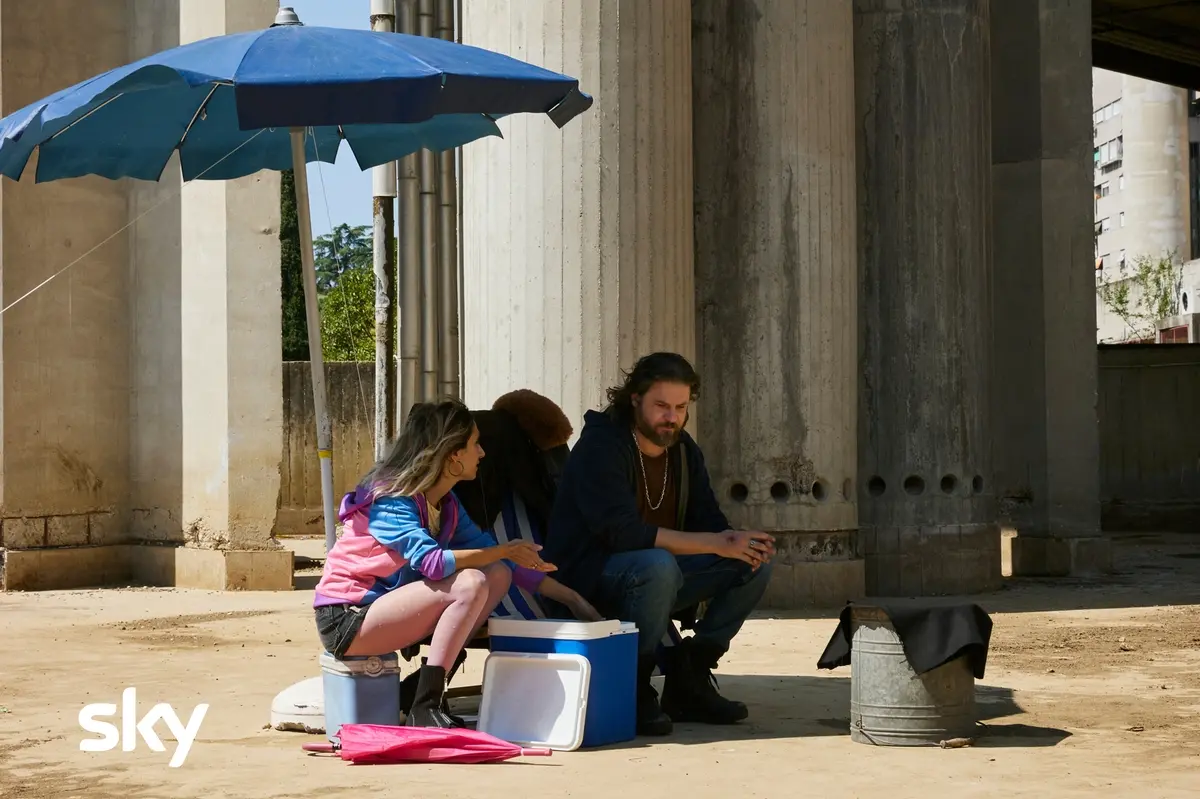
(638, 532)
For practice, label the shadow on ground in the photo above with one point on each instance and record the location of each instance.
(790, 706)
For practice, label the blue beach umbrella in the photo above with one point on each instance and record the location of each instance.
(276, 99)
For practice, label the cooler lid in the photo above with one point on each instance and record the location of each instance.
(535, 699)
(562, 629)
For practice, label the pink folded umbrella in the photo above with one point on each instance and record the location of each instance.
(379, 743)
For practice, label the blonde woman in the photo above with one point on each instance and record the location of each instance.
(410, 562)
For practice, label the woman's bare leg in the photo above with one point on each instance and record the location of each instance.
(449, 608)
(499, 578)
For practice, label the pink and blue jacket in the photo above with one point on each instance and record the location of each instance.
(386, 543)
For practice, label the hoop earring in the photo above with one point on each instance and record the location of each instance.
(452, 473)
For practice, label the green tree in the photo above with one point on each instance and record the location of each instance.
(295, 323)
(345, 247)
(346, 284)
(1144, 293)
(348, 317)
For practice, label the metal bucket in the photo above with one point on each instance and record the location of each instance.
(890, 704)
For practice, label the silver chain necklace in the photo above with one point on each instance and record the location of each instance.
(646, 481)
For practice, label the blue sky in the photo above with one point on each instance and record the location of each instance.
(346, 194)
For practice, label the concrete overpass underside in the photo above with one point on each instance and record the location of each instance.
(1158, 40)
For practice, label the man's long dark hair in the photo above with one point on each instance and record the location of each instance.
(657, 367)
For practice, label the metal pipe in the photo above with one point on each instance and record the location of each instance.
(430, 288)
(409, 258)
(313, 315)
(448, 321)
(461, 266)
(383, 180)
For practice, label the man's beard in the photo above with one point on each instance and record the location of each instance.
(663, 436)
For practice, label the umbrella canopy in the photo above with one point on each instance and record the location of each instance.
(377, 743)
(276, 99)
(227, 104)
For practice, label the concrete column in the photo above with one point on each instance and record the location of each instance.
(141, 386)
(1046, 428)
(776, 282)
(156, 356)
(577, 243)
(926, 484)
(231, 372)
(64, 371)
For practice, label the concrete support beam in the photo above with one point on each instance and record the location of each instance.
(64, 367)
(776, 282)
(156, 339)
(577, 243)
(926, 484)
(141, 387)
(232, 404)
(1045, 391)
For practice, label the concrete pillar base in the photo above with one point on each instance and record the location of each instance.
(213, 569)
(947, 560)
(814, 570)
(1052, 556)
(64, 568)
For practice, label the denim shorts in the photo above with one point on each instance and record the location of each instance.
(338, 626)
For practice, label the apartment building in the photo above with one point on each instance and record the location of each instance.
(1145, 182)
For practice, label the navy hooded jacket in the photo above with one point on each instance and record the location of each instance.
(595, 510)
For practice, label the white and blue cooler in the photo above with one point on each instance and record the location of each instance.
(562, 684)
(360, 690)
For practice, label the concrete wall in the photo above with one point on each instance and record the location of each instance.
(1150, 437)
(577, 243)
(1149, 440)
(139, 388)
(64, 365)
(156, 345)
(351, 391)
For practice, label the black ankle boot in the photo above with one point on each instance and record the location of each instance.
(650, 718)
(690, 691)
(427, 700)
(408, 689)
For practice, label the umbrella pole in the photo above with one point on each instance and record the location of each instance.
(313, 313)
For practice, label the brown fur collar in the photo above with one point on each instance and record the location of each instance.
(541, 419)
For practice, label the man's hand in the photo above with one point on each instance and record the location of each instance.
(751, 546)
(525, 553)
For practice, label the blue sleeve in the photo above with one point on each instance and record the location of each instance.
(395, 523)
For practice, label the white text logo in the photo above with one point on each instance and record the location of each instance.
(131, 727)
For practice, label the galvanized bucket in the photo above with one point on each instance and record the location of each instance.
(890, 704)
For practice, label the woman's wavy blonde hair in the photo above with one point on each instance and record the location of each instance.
(432, 432)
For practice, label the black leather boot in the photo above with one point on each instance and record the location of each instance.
(427, 700)
(690, 690)
(650, 718)
(408, 689)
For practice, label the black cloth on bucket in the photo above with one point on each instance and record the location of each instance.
(931, 635)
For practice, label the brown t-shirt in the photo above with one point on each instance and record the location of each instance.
(656, 472)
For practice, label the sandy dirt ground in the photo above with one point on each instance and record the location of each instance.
(1092, 688)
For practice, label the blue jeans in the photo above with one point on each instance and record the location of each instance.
(645, 586)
